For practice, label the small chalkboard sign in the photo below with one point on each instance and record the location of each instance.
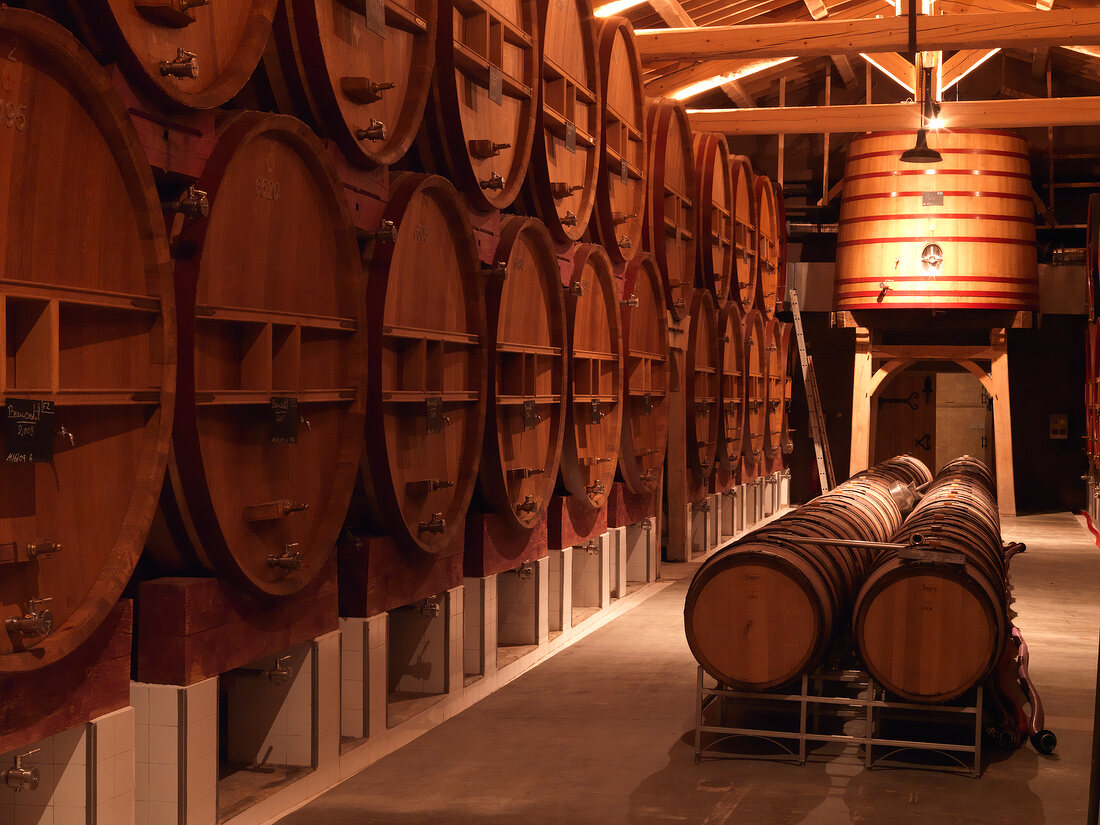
(284, 419)
(932, 199)
(28, 431)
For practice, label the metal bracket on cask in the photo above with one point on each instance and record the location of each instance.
(376, 130)
(525, 572)
(430, 607)
(648, 476)
(386, 231)
(531, 418)
(194, 203)
(561, 190)
(175, 14)
(485, 149)
(363, 90)
(498, 270)
(596, 412)
(495, 183)
(20, 778)
(596, 488)
(437, 524)
(625, 242)
(591, 547)
(569, 219)
(631, 302)
(622, 217)
(526, 472)
(34, 623)
(184, 65)
(271, 510)
(42, 547)
(428, 485)
(647, 403)
(436, 419)
(701, 506)
(575, 288)
(289, 559)
(528, 505)
(280, 674)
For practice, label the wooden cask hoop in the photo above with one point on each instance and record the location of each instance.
(362, 72)
(196, 58)
(775, 384)
(645, 376)
(746, 231)
(701, 385)
(269, 416)
(525, 312)
(715, 208)
(767, 216)
(593, 427)
(426, 388)
(479, 123)
(90, 327)
(621, 184)
(731, 395)
(670, 203)
(959, 235)
(565, 157)
(756, 394)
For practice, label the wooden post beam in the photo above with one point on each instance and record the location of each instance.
(945, 32)
(960, 114)
(860, 458)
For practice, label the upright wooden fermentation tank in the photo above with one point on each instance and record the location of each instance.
(958, 234)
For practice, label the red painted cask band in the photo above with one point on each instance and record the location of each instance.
(954, 194)
(925, 239)
(985, 279)
(913, 172)
(940, 293)
(995, 152)
(951, 215)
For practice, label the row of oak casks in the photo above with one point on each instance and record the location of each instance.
(928, 625)
(225, 372)
(530, 105)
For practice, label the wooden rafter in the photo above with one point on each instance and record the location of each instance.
(817, 9)
(960, 114)
(961, 64)
(672, 13)
(825, 37)
(895, 67)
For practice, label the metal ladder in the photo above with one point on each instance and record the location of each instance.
(813, 402)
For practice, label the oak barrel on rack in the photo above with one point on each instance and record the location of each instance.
(701, 386)
(479, 122)
(731, 396)
(645, 376)
(756, 393)
(763, 611)
(746, 234)
(776, 375)
(358, 72)
(594, 417)
(670, 204)
(956, 235)
(927, 630)
(767, 245)
(714, 208)
(621, 184)
(89, 348)
(565, 156)
(183, 55)
(269, 417)
(525, 313)
(426, 388)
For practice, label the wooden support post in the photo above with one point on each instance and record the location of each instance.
(860, 458)
(782, 150)
(828, 102)
(1002, 424)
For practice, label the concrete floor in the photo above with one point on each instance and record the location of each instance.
(602, 733)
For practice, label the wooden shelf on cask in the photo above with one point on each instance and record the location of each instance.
(715, 207)
(595, 394)
(90, 322)
(254, 330)
(528, 372)
(479, 123)
(733, 384)
(746, 236)
(347, 67)
(426, 403)
(621, 184)
(645, 376)
(199, 64)
(701, 390)
(670, 204)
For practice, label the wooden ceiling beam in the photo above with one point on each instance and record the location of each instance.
(956, 67)
(672, 13)
(817, 9)
(1032, 29)
(736, 92)
(895, 67)
(961, 114)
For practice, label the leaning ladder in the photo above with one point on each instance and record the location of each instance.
(813, 402)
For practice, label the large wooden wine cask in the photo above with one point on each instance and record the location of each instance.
(929, 632)
(89, 347)
(670, 205)
(955, 235)
(715, 207)
(756, 394)
(767, 244)
(525, 314)
(731, 395)
(1092, 393)
(621, 185)
(645, 376)
(269, 415)
(183, 54)
(479, 123)
(358, 72)
(701, 386)
(745, 232)
(594, 421)
(776, 382)
(565, 157)
(426, 387)
(906, 469)
(763, 611)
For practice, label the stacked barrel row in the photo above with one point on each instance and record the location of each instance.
(928, 611)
